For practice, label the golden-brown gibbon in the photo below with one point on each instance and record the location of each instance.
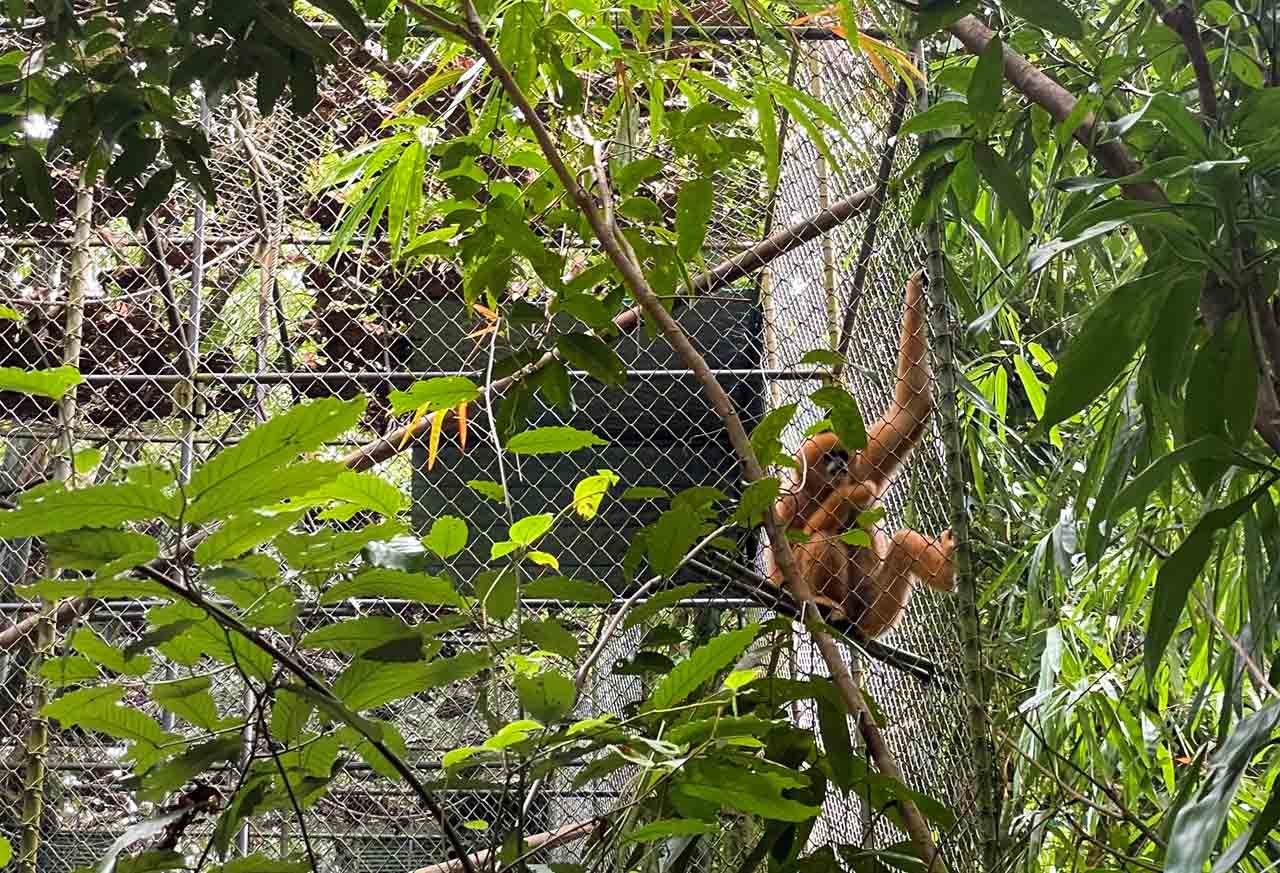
(869, 585)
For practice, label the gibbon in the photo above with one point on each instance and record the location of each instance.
(868, 585)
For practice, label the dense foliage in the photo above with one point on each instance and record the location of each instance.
(1109, 242)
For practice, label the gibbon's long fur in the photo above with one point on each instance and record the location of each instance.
(871, 585)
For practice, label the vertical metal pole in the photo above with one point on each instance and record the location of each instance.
(79, 282)
(193, 400)
(823, 172)
(940, 326)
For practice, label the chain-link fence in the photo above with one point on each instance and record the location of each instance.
(214, 318)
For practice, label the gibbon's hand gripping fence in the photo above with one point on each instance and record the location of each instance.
(215, 318)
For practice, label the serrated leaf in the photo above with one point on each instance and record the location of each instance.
(245, 472)
(548, 696)
(370, 684)
(87, 642)
(390, 737)
(243, 532)
(766, 438)
(662, 600)
(107, 552)
(355, 492)
(52, 383)
(68, 670)
(669, 827)
(434, 395)
(842, 411)
(551, 636)
(395, 585)
(694, 204)
(669, 540)
(330, 548)
(448, 536)
(701, 665)
(98, 709)
(189, 699)
(100, 506)
(739, 788)
(568, 590)
(584, 352)
(359, 635)
(589, 493)
(552, 440)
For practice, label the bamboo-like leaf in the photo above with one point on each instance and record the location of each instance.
(1004, 180)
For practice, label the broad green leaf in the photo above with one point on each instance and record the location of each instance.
(737, 787)
(6, 852)
(694, 204)
(568, 590)
(358, 635)
(1262, 827)
(260, 863)
(370, 684)
(1105, 343)
(766, 438)
(106, 552)
(36, 181)
(701, 665)
(87, 642)
(548, 696)
(527, 531)
(68, 670)
(756, 500)
(1179, 572)
(669, 827)
(660, 601)
(42, 383)
(448, 536)
(1052, 15)
(189, 699)
(842, 410)
(98, 709)
(390, 736)
(551, 636)
(241, 473)
(396, 585)
(552, 440)
(330, 548)
(243, 532)
(100, 506)
(1198, 825)
(587, 353)
(669, 540)
(355, 492)
(949, 113)
(1004, 180)
(290, 481)
(628, 177)
(590, 492)
(488, 489)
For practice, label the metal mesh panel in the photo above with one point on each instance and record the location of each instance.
(221, 316)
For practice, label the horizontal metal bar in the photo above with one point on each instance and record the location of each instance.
(294, 377)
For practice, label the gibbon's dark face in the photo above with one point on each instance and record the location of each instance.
(835, 463)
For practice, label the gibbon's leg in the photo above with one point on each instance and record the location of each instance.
(882, 598)
(900, 427)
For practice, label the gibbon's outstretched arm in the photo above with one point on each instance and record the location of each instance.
(900, 427)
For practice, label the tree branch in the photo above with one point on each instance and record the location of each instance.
(1182, 20)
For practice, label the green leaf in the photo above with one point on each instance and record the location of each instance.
(693, 211)
(843, 412)
(1198, 825)
(244, 473)
(391, 738)
(551, 636)
(355, 492)
(766, 438)
(190, 699)
(97, 709)
(527, 531)
(987, 85)
(42, 383)
(587, 353)
(1180, 571)
(448, 536)
(68, 670)
(370, 684)
(395, 585)
(329, 548)
(948, 113)
(767, 125)
(1161, 470)
(669, 540)
(87, 642)
(568, 590)
(57, 511)
(669, 827)
(548, 697)
(552, 440)
(1260, 830)
(590, 492)
(1004, 180)
(393, 36)
(106, 552)
(1112, 331)
(1226, 358)
(6, 852)
(36, 181)
(243, 532)
(259, 863)
(628, 177)
(358, 635)
(489, 489)
(701, 665)
(350, 18)
(8, 313)
(443, 392)
(1052, 15)
(756, 500)
(759, 793)
(660, 601)
(292, 480)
